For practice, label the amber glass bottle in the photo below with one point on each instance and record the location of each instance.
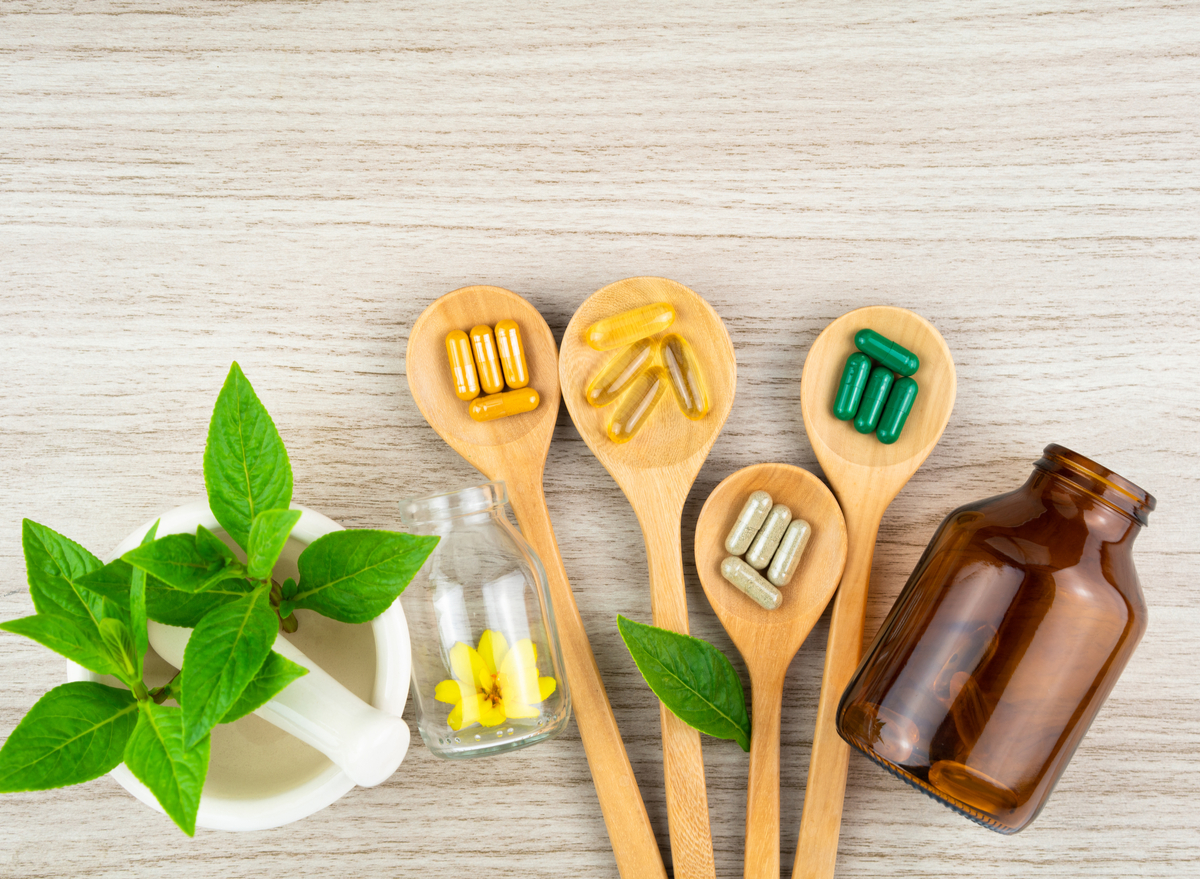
(1007, 638)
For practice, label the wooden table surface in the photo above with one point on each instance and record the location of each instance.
(290, 184)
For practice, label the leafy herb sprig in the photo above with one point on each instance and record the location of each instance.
(96, 615)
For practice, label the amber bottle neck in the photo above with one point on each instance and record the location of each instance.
(1113, 508)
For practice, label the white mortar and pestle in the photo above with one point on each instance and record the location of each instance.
(336, 727)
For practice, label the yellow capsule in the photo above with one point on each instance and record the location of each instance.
(512, 354)
(619, 372)
(686, 379)
(629, 326)
(462, 365)
(495, 406)
(486, 361)
(637, 404)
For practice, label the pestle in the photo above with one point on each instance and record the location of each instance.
(363, 741)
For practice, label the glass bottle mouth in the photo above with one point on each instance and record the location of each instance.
(1098, 481)
(452, 504)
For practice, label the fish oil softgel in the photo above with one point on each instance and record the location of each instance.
(869, 391)
(637, 404)
(686, 379)
(620, 371)
(769, 538)
(629, 326)
(486, 360)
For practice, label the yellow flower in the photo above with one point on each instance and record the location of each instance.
(492, 684)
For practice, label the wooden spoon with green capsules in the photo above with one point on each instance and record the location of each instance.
(866, 475)
(655, 469)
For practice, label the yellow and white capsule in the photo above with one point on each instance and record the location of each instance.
(495, 406)
(486, 360)
(629, 326)
(620, 371)
(635, 407)
(687, 381)
(512, 354)
(462, 365)
(787, 556)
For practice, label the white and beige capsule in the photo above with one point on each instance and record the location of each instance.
(787, 556)
(751, 583)
(769, 535)
(749, 520)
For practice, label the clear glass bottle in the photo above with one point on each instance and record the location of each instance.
(1004, 643)
(487, 671)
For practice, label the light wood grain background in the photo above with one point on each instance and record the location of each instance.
(290, 184)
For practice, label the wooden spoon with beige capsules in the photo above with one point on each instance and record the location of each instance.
(514, 449)
(655, 469)
(768, 639)
(866, 476)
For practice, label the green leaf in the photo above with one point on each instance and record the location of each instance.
(158, 758)
(54, 566)
(223, 654)
(137, 606)
(76, 732)
(275, 674)
(354, 576)
(187, 562)
(246, 467)
(117, 638)
(268, 536)
(77, 641)
(692, 678)
(175, 608)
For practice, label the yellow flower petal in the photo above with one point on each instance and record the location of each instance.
(523, 655)
(521, 687)
(519, 711)
(492, 647)
(546, 686)
(491, 715)
(448, 691)
(468, 666)
(454, 721)
(472, 708)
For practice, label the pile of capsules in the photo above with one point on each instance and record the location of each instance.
(770, 538)
(634, 375)
(477, 361)
(869, 391)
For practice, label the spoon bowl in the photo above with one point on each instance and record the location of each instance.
(866, 476)
(655, 470)
(769, 639)
(513, 450)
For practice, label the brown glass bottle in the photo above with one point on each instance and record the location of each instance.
(1007, 638)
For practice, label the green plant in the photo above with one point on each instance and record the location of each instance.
(95, 615)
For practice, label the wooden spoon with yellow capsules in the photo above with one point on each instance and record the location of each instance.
(866, 476)
(514, 450)
(655, 469)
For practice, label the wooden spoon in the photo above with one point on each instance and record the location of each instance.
(656, 470)
(514, 450)
(866, 476)
(768, 639)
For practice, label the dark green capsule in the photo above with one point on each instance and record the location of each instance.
(850, 389)
(885, 351)
(873, 399)
(895, 413)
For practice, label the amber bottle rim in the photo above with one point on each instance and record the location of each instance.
(1098, 481)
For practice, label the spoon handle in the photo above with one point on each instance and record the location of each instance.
(634, 845)
(762, 795)
(821, 821)
(683, 760)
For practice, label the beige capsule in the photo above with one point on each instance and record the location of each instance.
(483, 343)
(769, 535)
(687, 381)
(512, 354)
(619, 373)
(635, 407)
(749, 520)
(751, 583)
(787, 556)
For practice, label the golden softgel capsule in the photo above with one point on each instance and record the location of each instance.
(620, 371)
(495, 406)
(486, 359)
(462, 365)
(635, 407)
(629, 326)
(512, 354)
(686, 379)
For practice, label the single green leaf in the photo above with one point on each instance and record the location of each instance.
(289, 589)
(137, 606)
(75, 732)
(692, 678)
(175, 608)
(246, 467)
(158, 758)
(225, 651)
(187, 562)
(55, 565)
(354, 576)
(78, 642)
(110, 581)
(268, 536)
(275, 674)
(119, 641)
